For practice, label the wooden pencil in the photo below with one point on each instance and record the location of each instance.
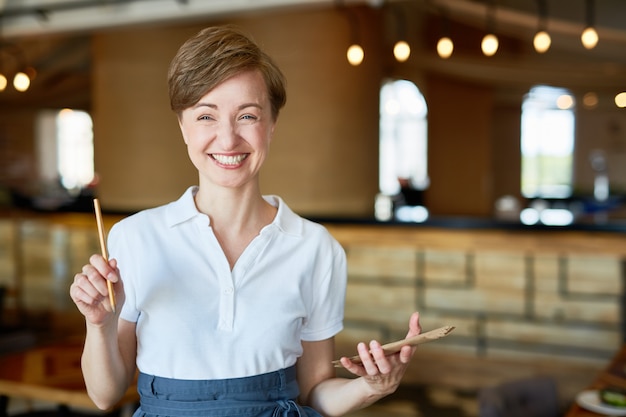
(394, 347)
(103, 248)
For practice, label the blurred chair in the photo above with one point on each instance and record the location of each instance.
(528, 397)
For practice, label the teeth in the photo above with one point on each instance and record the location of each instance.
(229, 159)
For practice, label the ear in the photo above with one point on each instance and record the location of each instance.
(272, 129)
(182, 131)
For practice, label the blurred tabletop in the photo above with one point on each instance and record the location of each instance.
(614, 375)
(50, 374)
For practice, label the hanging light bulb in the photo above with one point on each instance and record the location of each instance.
(22, 79)
(490, 44)
(21, 82)
(620, 100)
(355, 54)
(589, 37)
(591, 100)
(401, 51)
(3, 78)
(542, 41)
(445, 47)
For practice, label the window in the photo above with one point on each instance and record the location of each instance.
(65, 146)
(403, 137)
(547, 143)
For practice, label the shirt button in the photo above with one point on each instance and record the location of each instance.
(229, 290)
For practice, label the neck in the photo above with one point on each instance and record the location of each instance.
(236, 209)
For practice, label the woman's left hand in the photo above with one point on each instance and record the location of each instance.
(383, 373)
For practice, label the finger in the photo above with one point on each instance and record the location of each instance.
(414, 325)
(352, 367)
(406, 353)
(366, 359)
(81, 296)
(114, 276)
(108, 269)
(95, 278)
(377, 352)
(83, 282)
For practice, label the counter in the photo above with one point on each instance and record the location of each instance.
(523, 299)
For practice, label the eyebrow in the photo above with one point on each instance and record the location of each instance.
(240, 107)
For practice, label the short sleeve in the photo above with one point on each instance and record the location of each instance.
(119, 250)
(327, 304)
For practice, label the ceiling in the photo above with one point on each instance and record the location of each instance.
(28, 17)
(55, 34)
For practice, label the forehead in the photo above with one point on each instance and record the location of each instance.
(245, 85)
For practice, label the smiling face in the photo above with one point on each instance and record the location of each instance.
(229, 130)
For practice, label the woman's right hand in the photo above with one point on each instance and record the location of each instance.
(90, 293)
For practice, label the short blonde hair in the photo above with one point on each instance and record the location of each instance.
(214, 55)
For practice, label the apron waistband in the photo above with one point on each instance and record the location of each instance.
(222, 408)
(271, 394)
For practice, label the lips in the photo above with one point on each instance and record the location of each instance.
(229, 159)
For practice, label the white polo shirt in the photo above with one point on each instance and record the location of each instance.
(197, 319)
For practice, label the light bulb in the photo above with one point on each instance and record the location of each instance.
(21, 82)
(542, 41)
(589, 38)
(401, 51)
(620, 100)
(590, 100)
(489, 44)
(445, 47)
(565, 101)
(3, 82)
(355, 55)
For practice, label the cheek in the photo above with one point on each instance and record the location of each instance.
(191, 136)
(184, 133)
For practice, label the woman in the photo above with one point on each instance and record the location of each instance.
(228, 302)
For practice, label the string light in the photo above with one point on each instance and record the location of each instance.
(445, 47)
(401, 51)
(355, 54)
(590, 100)
(21, 82)
(490, 43)
(589, 37)
(542, 40)
(565, 101)
(24, 75)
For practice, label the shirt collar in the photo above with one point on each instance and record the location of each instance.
(184, 209)
(286, 220)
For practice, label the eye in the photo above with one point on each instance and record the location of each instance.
(248, 117)
(205, 117)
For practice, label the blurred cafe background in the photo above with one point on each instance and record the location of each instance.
(470, 156)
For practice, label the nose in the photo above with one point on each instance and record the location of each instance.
(228, 135)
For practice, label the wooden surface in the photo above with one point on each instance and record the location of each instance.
(523, 302)
(51, 374)
(560, 241)
(612, 375)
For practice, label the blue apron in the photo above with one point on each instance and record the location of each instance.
(267, 395)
